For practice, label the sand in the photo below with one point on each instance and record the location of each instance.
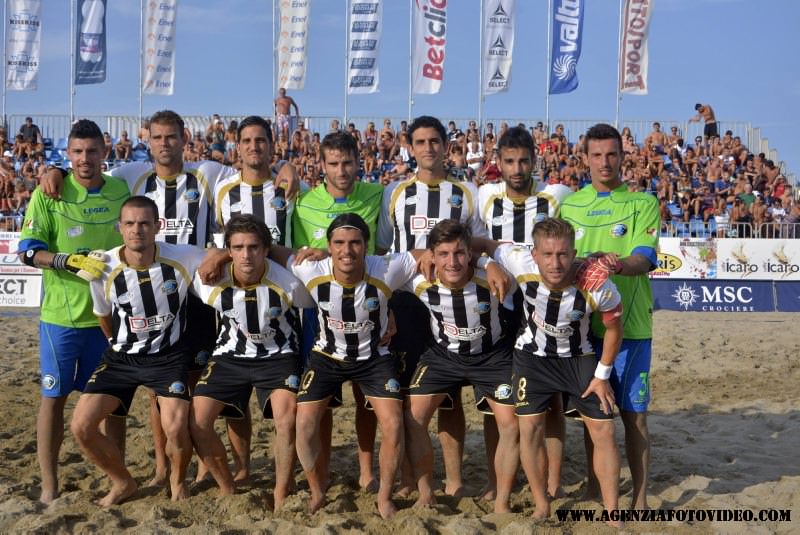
(725, 425)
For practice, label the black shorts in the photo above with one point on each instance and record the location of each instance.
(441, 372)
(119, 374)
(710, 129)
(536, 379)
(376, 376)
(413, 336)
(231, 381)
(201, 332)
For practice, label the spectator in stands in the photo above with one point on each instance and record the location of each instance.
(108, 146)
(791, 224)
(490, 173)
(284, 122)
(30, 133)
(404, 147)
(124, 148)
(656, 137)
(398, 171)
(705, 113)
(742, 219)
(457, 160)
(475, 152)
(334, 126)
(231, 155)
(143, 136)
(488, 133)
(387, 128)
(4, 146)
(353, 131)
(722, 217)
(472, 128)
(370, 134)
(748, 197)
(452, 131)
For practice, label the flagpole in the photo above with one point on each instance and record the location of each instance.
(141, 59)
(410, 58)
(5, 60)
(480, 70)
(72, 38)
(274, 62)
(547, 75)
(619, 64)
(346, 49)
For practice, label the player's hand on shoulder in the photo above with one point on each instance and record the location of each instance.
(51, 183)
(426, 266)
(499, 280)
(213, 265)
(309, 253)
(594, 271)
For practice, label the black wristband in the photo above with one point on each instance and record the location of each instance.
(27, 257)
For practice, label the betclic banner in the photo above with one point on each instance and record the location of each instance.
(429, 37)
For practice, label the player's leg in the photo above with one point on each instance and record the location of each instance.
(605, 460)
(389, 413)
(637, 451)
(240, 435)
(161, 475)
(90, 411)
(366, 426)
(175, 423)
(49, 436)
(452, 428)
(554, 432)
(419, 411)
(210, 449)
(506, 458)
(534, 460)
(309, 447)
(490, 438)
(284, 413)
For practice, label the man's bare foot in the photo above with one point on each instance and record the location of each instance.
(488, 493)
(618, 524)
(371, 487)
(501, 507)
(118, 493)
(386, 508)
(404, 491)
(558, 493)
(279, 501)
(315, 503)
(456, 490)
(241, 477)
(159, 480)
(541, 513)
(425, 501)
(47, 496)
(179, 491)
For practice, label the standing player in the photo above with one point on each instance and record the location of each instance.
(510, 209)
(141, 304)
(609, 218)
(554, 354)
(257, 347)
(56, 236)
(470, 345)
(411, 208)
(314, 210)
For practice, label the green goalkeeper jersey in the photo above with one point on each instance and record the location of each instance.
(79, 222)
(625, 223)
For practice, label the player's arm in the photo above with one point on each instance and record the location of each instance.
(106, 325)
(287, 178)
(52, 181)
(282, 255)
(88, 267)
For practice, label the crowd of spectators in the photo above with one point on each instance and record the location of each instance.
(706, 186)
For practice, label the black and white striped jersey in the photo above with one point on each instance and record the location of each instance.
(510, 221)
(257, 321)
(147, 306)
(557, 322)
(411, 208)
(464, 320)
(234, 196)
(184, 200)
(353, 318)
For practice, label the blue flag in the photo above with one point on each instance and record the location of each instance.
(90, 48)
(565, 49)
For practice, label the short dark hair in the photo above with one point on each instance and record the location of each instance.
(698, 106)
(85, 129)
(341, 141)
(449, 230)
(602, 131)
(247, 224)
(168, 117)
(427, 121)
(553, 227)
(140, 201)
(516, 138)
(254, 120)
(349, 220)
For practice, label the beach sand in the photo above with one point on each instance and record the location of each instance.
(725, 426)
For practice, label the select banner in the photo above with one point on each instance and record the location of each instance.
(713, 296)
(565, 48)
(498, 45)
(633, 48)
(160, 20)
(787, 296)
(90, 45)
(23, 39)
(429, 37)
(365, 40)
(20, 285)
(292, 43)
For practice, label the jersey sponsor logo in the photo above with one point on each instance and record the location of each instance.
(292, 381)
(579, 233)
(278, 203)
(552, 330)
(501, 220)
(372, 304)
(575, 315)
(264, 336)
(421, 224)
(319, 233)
(177, 387)
(392, 385)
(170, 286)
(483, 307)
(74, 232)
(502, 391)
(456, 200)
(174, 227)
(96, 210)
(350, 327)
(593, 213)
(191, 195)
(467, 334)
(619, 230)
(49, 382)
(143, 324)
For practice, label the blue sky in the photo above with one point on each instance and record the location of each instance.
(737, 55)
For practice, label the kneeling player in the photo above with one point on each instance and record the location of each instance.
(257, 347)
(554, 355)
(470, 346)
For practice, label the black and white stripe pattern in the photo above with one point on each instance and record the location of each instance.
(257, 321)
(463, 320)
(411, 208)
(353, 318)
(147, 306)
(233, 196)
(557, 322)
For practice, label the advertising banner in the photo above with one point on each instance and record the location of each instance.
(365, 40)
(90, 45)
(633, 49)
(686, 258)
(20, 285)
(158, 77)
(429, 36)
(565, 48)
(292, 42)
(498, 45)
(23, 38)
(762, 259)
(787, 296)
(713, 296)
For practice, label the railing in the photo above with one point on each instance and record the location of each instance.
(10, 223)
(699, 229)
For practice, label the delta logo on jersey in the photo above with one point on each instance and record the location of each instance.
(421, 224)
(350, 327)
(552, 330)
(175, 227)
(260, 338)
(466, 334)
(143, 324)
